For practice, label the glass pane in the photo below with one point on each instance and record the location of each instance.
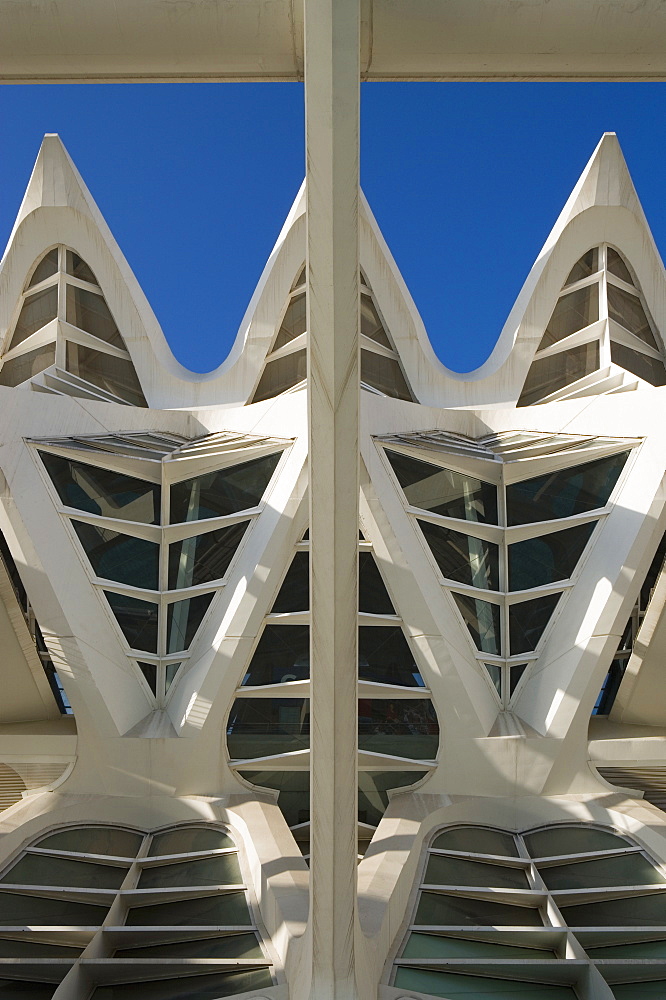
(373, 596)
(453, 985)
(118, 557)
(18, 370)
(170, 671)
(259, 727)
(203, 558)
(547, 375)
(437, 946)
(293, 324)
(282, 654)
(443, 491)
(371, 324)
(587, 265)
(103, 492)
(527, 622)
(47, 267)
(400, 728)
(495, 673)
(476, 839)
(35, 949)
(441, 870)
(632, 869)
(232, 946)
(224, 909)
(281, 374)
(300, 278)
(373, 789)
(539, 561)
(293, 789)
(149, 671)
(515, 673)
(189, 987)
(483, 621)
(78, 268)
(438, 908)
(115, 375)
(222, 870)
(42, 911)
(384, 374)
(38, 869)
(38, 310)
(642, 949)
(294, 594)
(12, 989)
(462, 557)
(188, 841)
(227, 491)
(638, 911)
(654, 990)
(617, 266)
(573, 312)
(88, 311)
(95, 840)
(626, 309)
(650, 369)
(384, 656)
(137, 619)
(559, 840)
(184, 619)
(564, 493)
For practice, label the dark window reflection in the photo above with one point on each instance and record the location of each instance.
(46, 268)
(78, 268)
(626, 309)
(564, 493)
(373, 598)
(462, 557)
(203, 558)
(528, 620)
(229, 908)
(293, 788)
(483, 621)
(261, 727)
(18, 370)
(384, 374)
(38, 310)
(385, 657)
(373, 789)
(400, 727)
(88, 311)
(573, 312)
(371, 324)
(539, 561)
(294, 594)
(183, 620)
(583, 268)
(118, 557)
(650, 369)
(438, 908)
(137, 619)
(281, 374)
(559, 370)
(443, 491)
(293, 324)
(282, 654)
(226, 491)
(103, 492)
(114, 375)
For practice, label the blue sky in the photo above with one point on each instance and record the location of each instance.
(465, 180)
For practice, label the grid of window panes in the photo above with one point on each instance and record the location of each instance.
(286, 363)
(506, 553)
(396, 717)
(165, 916)
(65, 330)
(561, 912)
(158, 552)
(600, 322)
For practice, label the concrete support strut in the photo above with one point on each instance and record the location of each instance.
(332, 146)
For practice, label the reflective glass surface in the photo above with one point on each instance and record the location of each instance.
(294, 594)
(42, 911)
(583, 268)
(371, 324)
(221, 870)
(617, 266)
(188, 987)
(188, 840)
(18, 989)
(650, 369)
(572, 312)
(170, 671)
(654, 990)
(231, 946)
(441, 870)
(149, 671)
(183, 620)
(527, 622)
(137, 619)
(203, 558)
(78, 268)
(558, 840)
(478, 840)
(226, 491)
(373, 789)
(384, 656)
(293, 789)
(38, 869)
(95, 840)
(463, 558)
(282, 654)
(47, 267)
(453, 985)
(373, 596)
(18, 370)
(564, 493)
(35, 949)
(515, 673)
(443, 491)
(118, 557)
(384, 374)
(539, 561)
(115, 375)
(293, 324)
(281, 374)
(401, 728)
(495, 674)
(259, 727)
(549, 374)
(38, 310)
(634, 912)
(439, 908)
(421, 945)
(626, 309)
(642, 949)
(103, 492)
(630, 869)
(88, 311)
(483, 621)
(223, 909)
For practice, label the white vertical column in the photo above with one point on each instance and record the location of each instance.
(332, 145)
